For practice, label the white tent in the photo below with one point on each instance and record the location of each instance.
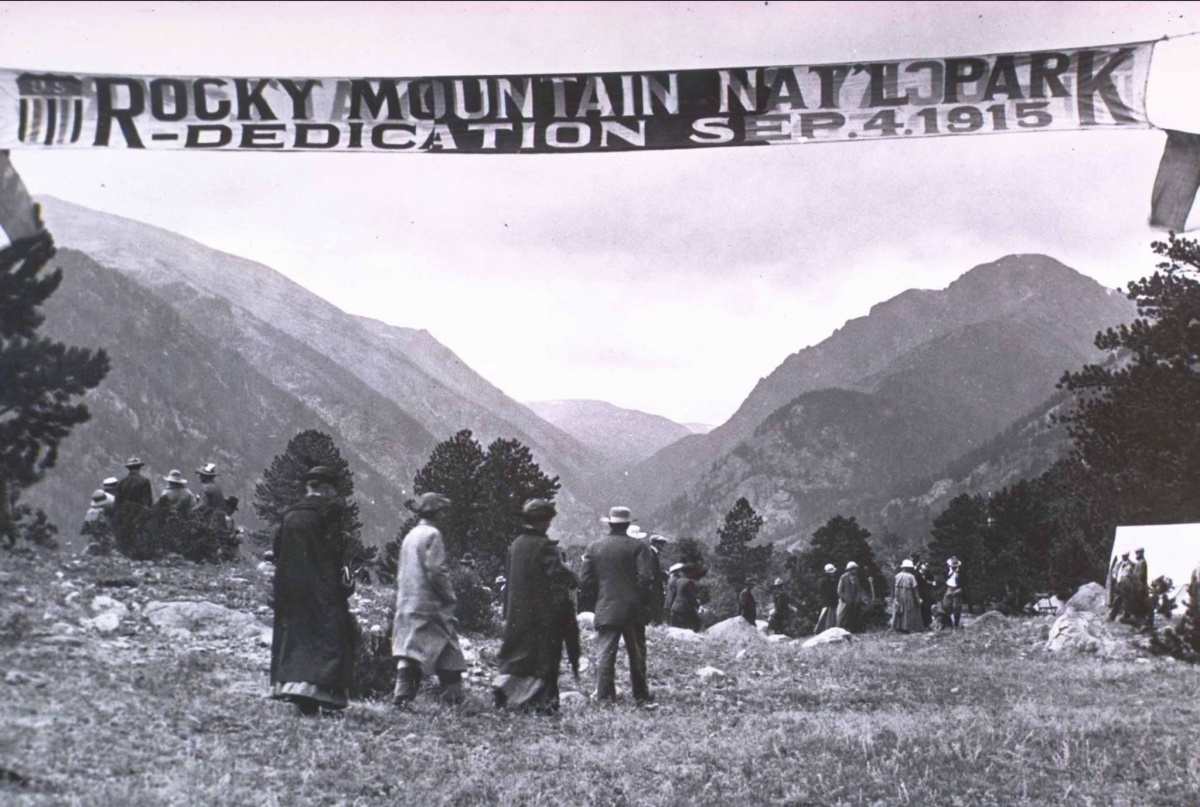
(1171, 549)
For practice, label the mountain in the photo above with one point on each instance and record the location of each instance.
(699, 428)
(625, 436)
(891, 397)
(387, 394)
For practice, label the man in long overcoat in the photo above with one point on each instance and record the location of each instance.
(849, 591)
(618, 578)
(211, 499)
(425, 632)
(683, 600)
(781, 609)
(827, 596)
(540, 616)
(312, 648)
(906, 602)
(925, 592)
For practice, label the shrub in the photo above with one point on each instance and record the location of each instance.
(475, 613)
(1183, 640)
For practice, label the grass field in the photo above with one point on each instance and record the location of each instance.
(977, 718)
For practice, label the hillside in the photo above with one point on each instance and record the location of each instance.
(625, 436)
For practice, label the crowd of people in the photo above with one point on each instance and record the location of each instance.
(1131, 596)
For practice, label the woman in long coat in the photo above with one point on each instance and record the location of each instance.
(906, 613)
(827, 595)
(849, 590)
(683, 600)
(540, 616)
(312, 647)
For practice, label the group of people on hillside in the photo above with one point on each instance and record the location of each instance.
(1131, 596)
(122, 502)
(914, 597)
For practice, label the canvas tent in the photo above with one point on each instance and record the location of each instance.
(1171, 549)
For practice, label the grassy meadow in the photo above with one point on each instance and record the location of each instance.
(980, 717)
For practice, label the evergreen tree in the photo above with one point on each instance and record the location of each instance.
(282, 487)
(738, 560)
(453, 471)
(39, 377)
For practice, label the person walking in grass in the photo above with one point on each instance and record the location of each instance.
(618, 577)
(425, 631)
(313, 644)
(540, 617)
(849, 606)
(952, 600)
(683, 600)
(906, 601)
(827, 596)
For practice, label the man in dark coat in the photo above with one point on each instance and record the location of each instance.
(133, 496)
(781, 609)
(925, 592)
(312, 650)
(683, 601)
(540, 616)
(827, 596)
(618, 578)
(211, 500)
(849, 592)
(177, 498)
(747, 605)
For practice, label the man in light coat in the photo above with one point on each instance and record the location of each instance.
(425, 632)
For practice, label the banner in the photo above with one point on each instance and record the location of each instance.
(19, 217)
(1040, 91)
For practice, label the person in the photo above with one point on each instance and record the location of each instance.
(781, 609)
(425, 630)
(109, 486)
(1140, 608)
(211, 499)
(906, 614)
(747, 605)
(540, 617)
(925, 592)
(658, 594)
(313, 644)
(1110, 592)
(134, 494)
(683, 601)
(617, 576)
(827, 597)
(96, 515)
(849, 594)
(952, 600)
(1123, 595)
(177, 498)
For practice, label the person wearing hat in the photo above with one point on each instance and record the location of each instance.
(177, 498)
(96, 513)
(781, 609)
(540, 617)
(1122, 588)
(827, 596)
(654, 611)
(683, 600)
(211, 499)
(849, 607)
(925, 593)
(952, 600)
(747, 605)
(313, 644)
(618, 576)
(1139, 601)
(97, 524)
(109, 486)
(134, 493)
(906, 602)
(425, 630)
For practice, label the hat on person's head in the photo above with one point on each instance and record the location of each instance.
(778, 582)
(953, 563)
(111, 482)
(321, 473)
(906, 564)
(134, 462)
(98, 496)
(637, 532)
(208, 470)
(618, 515)
(678, 567)
(538, 509)
(851, 565)
(429, 503)
(658, 539)
(500, 580)
(1139, 552)
(175, 477)
(830, 568)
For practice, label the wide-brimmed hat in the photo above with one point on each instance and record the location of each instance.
(658, 539)
(851, 565)
(98, 496)
(536, 509)
(678, 567)
(111, 482)
(830, 568)
(208, 470)
(1139, 552)
(778, 582)
(175, 477)
(906, 564)
(953, 563)
(637, 532)
(319, 472)
(134, 462)
(618, 515)
(500, 580)
(430, 503)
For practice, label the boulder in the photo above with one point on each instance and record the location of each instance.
(572, 701)
(106, 622)
(186, 618)
(1089, 598)
(1085, 632)
(831, 636)
(778, 638)
(735, 630)
(991, 619)
(103, 603)
(683, 635)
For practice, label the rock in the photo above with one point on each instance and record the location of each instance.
(778, 638)
(587, 620)
(104, 603)
(266, 637)
(62, 629)
(106, 622)
(572, 701)
(991, 619)
(1085, 632)
(710, 673)
(830, 636)
(1089, 598)
(186, 618)
(16, 678)
(735, 630)
(683, 634)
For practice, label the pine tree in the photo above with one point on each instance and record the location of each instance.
(38, 376)
(508, 477)
(738, 560)
(453, 471)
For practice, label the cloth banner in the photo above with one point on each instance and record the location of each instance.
(1100, 87)
(18, 214)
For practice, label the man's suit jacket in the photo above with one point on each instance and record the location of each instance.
(618, 576)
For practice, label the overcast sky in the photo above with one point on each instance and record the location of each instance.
(665, 281)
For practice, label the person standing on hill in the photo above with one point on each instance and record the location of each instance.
(211, 500)
(952, 600)
(618, 578)
(134, 494)
(925, 593)
(425, 631)
(781, 609)
(540, 616)
(109, 486)
(683, 600)
(659, 589)
(313, 644)
(747, 605)
(827, 596)
(849, 591)
(177, 498)
(1140, 589)
(906, 602)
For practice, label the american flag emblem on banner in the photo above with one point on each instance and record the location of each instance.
(51, 110)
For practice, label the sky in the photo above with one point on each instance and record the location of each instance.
(665, 281)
